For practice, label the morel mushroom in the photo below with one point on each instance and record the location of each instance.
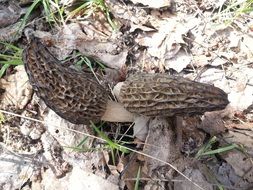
(71, 94)
(79, 98)
(164, 95)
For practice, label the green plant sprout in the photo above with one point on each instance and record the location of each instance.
(88, 7)
(12, 55)
(233, 10)
(207, 151)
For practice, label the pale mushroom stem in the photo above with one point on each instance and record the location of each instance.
(115, 112)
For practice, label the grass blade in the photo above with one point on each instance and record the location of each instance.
(3, 69)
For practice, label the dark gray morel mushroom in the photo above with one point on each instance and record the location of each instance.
(78, 98)
(71, 94)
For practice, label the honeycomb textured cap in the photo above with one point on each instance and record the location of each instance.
(73, 95)
(165, 95)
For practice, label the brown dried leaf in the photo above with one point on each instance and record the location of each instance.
(179, 62)
(130, 172)
(92, 43)
(57, 126)
(212, 123)
(240, 134)
(9, 13)
(18, 91)
(154, 3)
(196, 176)
(166, 42)
(241, 164)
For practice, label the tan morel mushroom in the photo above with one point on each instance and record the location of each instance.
(164, 95)
(78, 98)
